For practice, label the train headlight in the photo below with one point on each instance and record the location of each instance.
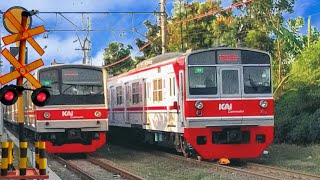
(46, 115)
(263, 104)
(199, 105)
(97, 114)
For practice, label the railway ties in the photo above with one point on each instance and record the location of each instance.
(281, 173)
(258, 171)
(93, 168)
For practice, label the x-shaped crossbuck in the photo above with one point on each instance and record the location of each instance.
(20, 70)
(23, 34)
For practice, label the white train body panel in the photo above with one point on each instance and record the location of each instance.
(127, 111)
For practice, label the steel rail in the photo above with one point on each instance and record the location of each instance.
(218, 167)
(294, 174)
(74, 168)
(109, 166)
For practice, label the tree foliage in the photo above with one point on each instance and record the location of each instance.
(113, 53)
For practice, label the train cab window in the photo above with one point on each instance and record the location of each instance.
(135, 93)
(230, 81)
(50, 78)
(119, 95)
(257, 80)
(202, 80)
(157, 90)
(81, 81)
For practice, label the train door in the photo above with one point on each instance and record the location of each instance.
(181, 99)
(127, 103)
(112, 104)
(171, 100)
(231, 94)
(143, 98)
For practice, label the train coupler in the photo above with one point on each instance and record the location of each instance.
(224, 161)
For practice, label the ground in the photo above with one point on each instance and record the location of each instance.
(293, 157)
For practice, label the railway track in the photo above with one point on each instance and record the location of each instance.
(93, 166)
(250, 170)
(280, 172)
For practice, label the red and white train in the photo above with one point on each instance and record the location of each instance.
(75, 120)
(216, 103)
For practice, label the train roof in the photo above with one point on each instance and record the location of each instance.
(69, 65)
(158, 59)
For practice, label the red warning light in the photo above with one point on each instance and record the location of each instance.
(8, 95)
(40, 96)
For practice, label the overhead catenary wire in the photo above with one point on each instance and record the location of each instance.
(187, 20)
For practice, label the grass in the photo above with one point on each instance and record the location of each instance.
(293, 157)
(151, 166)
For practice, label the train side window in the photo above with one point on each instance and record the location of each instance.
(170, 86)
(135, 93)
(119, 95)
(157, 90)
(174, 86)
(127, 94)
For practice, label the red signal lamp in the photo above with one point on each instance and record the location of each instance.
(8, 95)
(40, 96)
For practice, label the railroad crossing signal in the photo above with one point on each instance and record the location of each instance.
(21, 70)
(16, 10)
(20, 33)
(23, 34)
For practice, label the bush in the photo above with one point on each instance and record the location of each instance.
(297, 116)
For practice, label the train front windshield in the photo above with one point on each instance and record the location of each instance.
(238, 72)
(73, 85)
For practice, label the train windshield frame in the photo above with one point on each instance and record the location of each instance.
(73, 85)
(207, 66)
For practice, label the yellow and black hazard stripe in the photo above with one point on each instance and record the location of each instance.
(37, 154)
(4, 158)
(42, 158)
(23, 158)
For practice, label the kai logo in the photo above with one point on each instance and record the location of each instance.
(67, 113)
(225, 106)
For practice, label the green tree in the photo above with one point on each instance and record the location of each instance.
(115, 52)
(305, 70)
(154, 48)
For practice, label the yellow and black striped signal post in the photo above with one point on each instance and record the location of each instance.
(4, 158)
(10, 156)
(37, 154)
(42, 158)
(23, 158)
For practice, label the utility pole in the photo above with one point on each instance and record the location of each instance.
(89, 42)
(181, 31)
(163, 25)
(1, 106)
(86, 46)
(309, 30)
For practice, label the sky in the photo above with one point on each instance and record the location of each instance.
(62, 46)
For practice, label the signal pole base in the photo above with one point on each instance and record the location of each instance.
(32, 173)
